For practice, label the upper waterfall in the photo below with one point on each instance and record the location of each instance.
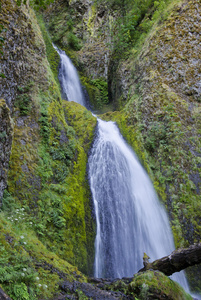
(69, 80)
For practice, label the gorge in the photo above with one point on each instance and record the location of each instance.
(129, 218)
(139, 63)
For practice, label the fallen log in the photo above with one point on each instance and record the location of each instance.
(178, 260)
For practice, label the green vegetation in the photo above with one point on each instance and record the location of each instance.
(47, 168)
(150, 285)
(28, 271)
(136, 20)
(97, 90)
(73, 41)
(48, 197)
(63, 30)
(52, 55)
(23, 99)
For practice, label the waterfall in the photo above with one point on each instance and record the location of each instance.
(69, 79)
(130, 219)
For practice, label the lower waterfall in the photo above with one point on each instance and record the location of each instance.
(130, 219)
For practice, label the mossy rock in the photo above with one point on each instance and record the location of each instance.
(82, 121)
(155, 285)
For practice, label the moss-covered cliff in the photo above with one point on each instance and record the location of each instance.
(48, 198)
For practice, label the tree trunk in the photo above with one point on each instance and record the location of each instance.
(176, 261)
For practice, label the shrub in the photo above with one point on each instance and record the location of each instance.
(74, 42)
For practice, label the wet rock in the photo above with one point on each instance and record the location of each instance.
(90, 291)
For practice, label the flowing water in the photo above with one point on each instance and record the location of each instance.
(130, 219)
(69, 80)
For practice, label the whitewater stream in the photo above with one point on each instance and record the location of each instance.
(69, 80)
(129, 217)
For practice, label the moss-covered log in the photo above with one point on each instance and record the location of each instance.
(178, 260)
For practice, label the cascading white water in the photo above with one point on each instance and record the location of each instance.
(69, 79)
(130, 219)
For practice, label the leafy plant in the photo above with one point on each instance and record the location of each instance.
(23, 99)
(155, 136)
(17, 275)
(8, 202)
(44, 125)
(73, 41)
(102, 85)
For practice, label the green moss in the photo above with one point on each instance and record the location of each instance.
(52, 55)
(149, 285)
(152, 284)
(79, 210)
(97, 90)
(90, 20)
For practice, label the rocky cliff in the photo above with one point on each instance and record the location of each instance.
(163, 81)
(44, 208)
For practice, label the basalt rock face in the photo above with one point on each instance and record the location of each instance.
(6, 131)
(25, 73)
(166, 81)
(163, 80)
(48, 161)
(22, 62)
(171, 53)
(22, 49)
(90, 24)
